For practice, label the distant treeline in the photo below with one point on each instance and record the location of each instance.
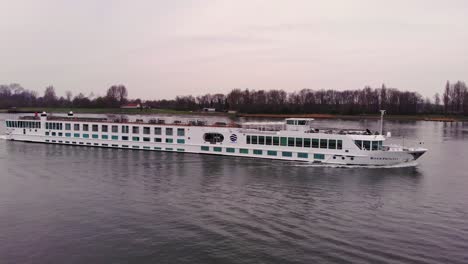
(362, 101)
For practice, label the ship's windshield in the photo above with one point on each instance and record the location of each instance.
(369, 145)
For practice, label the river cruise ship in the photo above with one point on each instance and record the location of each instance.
(295, 139)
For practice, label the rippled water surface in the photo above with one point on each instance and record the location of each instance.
(65, 204)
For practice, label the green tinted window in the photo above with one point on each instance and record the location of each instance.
(217, 149)
(268, 141)
(319, 156)
(303, 155)
(257, 151)
(230, 150)
(105, 137)
(286, 154)
(181, 141)
(244, 151)
(306, 142)
(169, 140)
(95, 136)
(76, 135)
(271, 153)
(205, 148)
(85, 135)
(290, 142)
(115, 137)
(68, 134)
(136, 138)
(157, 140)
(276, 141)
(284, 141)
(315, 143)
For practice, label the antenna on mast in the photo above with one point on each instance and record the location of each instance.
(382, 113)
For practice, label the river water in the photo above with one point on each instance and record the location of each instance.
(65, 204)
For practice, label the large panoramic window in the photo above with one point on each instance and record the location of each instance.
(214, 138)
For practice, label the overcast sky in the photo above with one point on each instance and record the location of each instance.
(160, 49)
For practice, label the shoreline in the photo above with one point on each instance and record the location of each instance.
(118, 111)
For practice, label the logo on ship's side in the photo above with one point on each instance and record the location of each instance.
(233, 138)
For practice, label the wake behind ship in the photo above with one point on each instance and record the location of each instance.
(295, 139)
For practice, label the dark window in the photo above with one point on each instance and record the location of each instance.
(358, 143)
(366, 145)
(157, 140)
(180, 132)
(268, 141)
(323, 143)
(375, 145)
(146, 130)
(254, 140)
(284, 141)
(332, 143)
(157, 131)
(286, 154)
(135, 130)
(115, 129)
(213, 138)
(67, 126)
(104, 128)
(85, 127)
(76, 127)
(290, 142)
(261, 140)
(95, 128)
(168, 131)
(248, 139)
(306, 142)
(299, 142)
(125, 129)
(339, 144)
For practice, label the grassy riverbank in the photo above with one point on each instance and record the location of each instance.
(94, 110)
(440, 118)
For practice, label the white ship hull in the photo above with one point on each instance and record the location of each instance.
(291, 143)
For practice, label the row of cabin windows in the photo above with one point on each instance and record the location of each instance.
(262, 152)
(169, 131)
(114, 137)
(369, 145)
(54, 126)
(23, 124)
(295, 142)
(115, 145)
